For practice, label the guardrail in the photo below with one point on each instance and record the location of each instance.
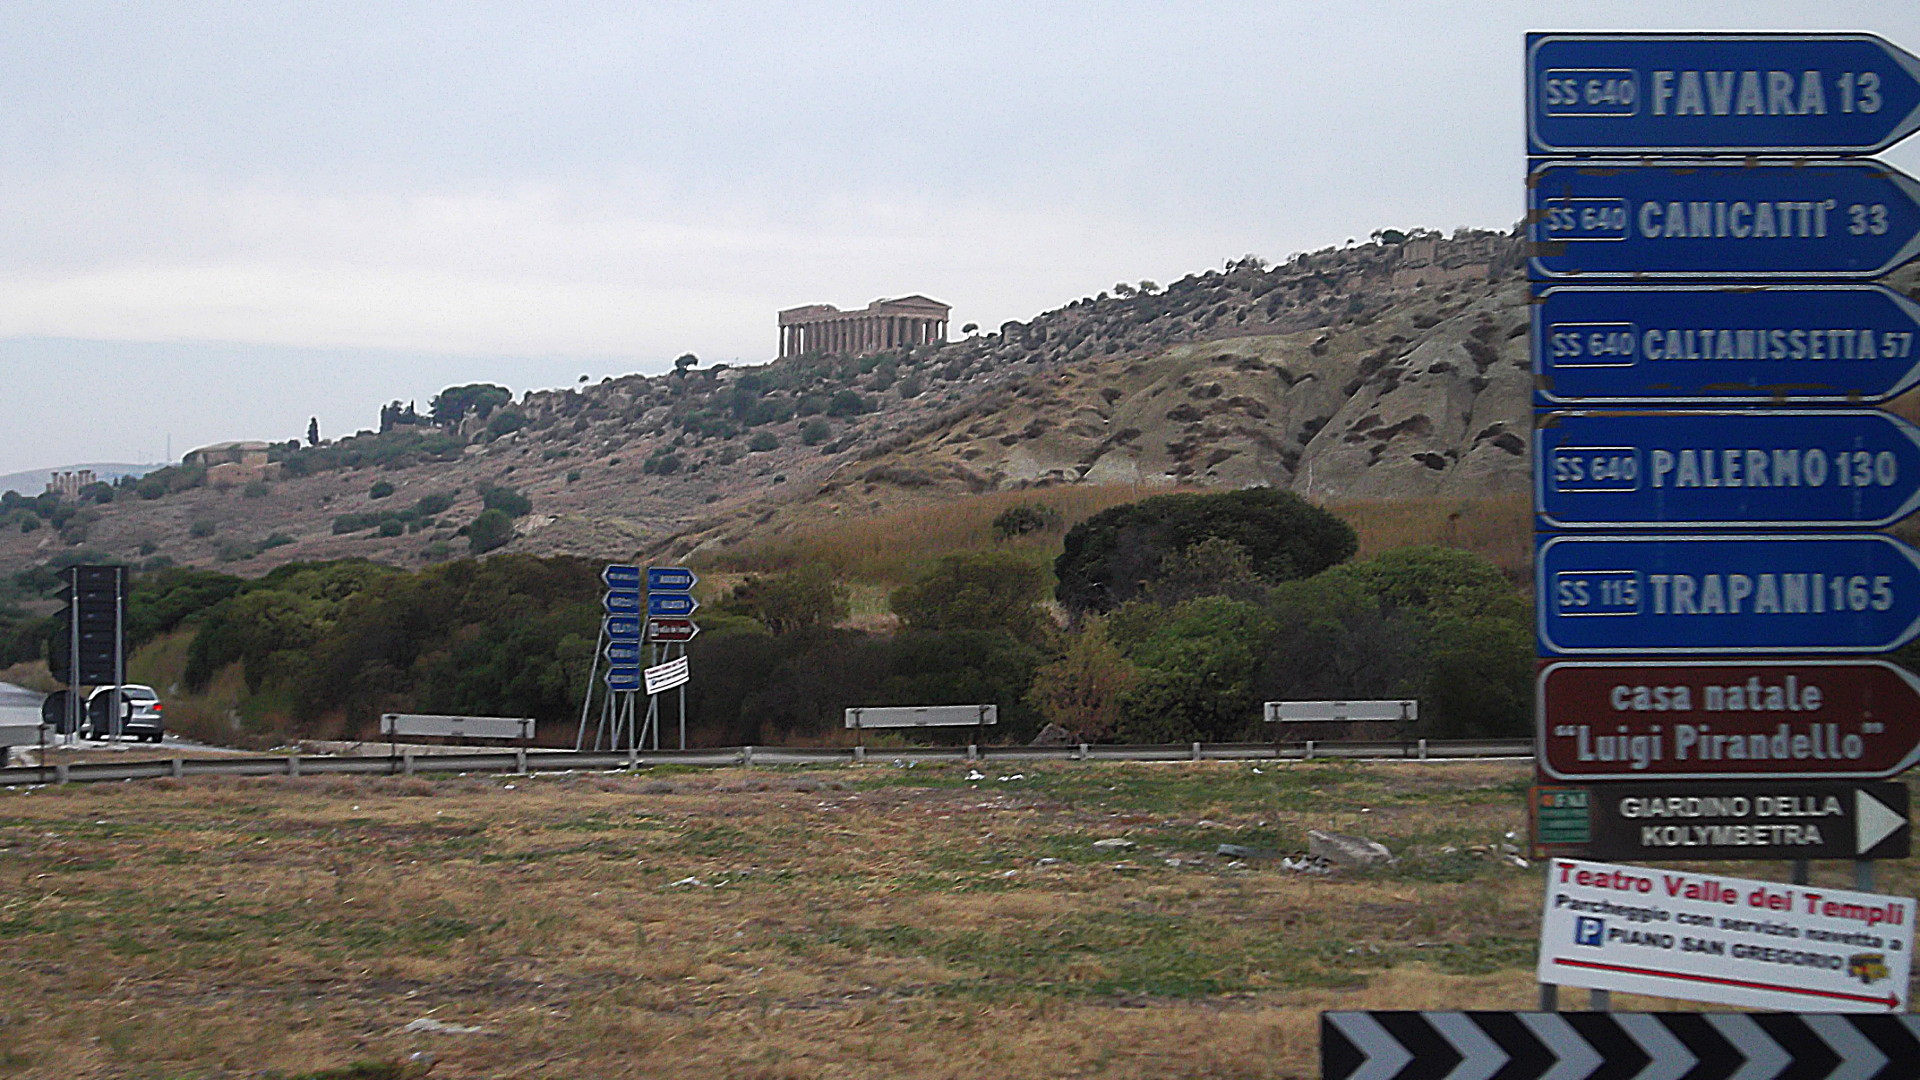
(524, 760)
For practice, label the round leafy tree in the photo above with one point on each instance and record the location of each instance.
(1115, 555)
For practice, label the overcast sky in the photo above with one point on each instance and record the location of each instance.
(218, 220)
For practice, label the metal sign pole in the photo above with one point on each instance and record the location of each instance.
(593, 669)
(118, 695)
(72, 734)
(683, 704)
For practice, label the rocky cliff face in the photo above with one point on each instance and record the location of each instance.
(1386, 370)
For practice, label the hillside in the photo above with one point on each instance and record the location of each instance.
(1382, 371)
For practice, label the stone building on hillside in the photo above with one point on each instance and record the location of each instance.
(231, 464)
(236, 453)
(885, 324)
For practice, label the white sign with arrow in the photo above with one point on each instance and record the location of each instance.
(1759, 944)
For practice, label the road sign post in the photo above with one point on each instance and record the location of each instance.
(1735, 941)
(1690, 245)
(1727, 719)
(1633, 219)
(1705, 344)
(1740, 594)
(1724, 819)
(1718, 93)
(1777, 468)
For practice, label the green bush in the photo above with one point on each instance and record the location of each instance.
(1113, 556)
(432, 505)
(763, 441)
(815, 431)
(380, 490)
(507, 501)
(392, 527)
(492, 529)
(978, 591)
(203, 528)
(848, 403)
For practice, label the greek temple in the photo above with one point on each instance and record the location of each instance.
(884, 324)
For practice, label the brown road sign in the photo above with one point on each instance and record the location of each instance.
(1757, 719)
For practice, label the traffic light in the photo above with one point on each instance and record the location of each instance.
(96, 599)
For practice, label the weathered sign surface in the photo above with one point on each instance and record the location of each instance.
(1760, 944)
(1706, 719)
(1755, 468)
(1723, 344)
(1718, 93)
(1731, 819)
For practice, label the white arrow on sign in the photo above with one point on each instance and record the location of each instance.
(1385, 1056)
(1480, 1057)
(1873, 821)
(1671, 1059)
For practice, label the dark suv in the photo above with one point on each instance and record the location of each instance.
(139, 713)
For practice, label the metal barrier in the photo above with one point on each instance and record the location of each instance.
(537, 761)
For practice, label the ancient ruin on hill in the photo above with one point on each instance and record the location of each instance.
(885, 324)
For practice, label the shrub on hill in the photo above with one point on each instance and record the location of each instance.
(492, 529)
(507, 501)
(1113, 556)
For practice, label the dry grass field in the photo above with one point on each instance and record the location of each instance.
(831, 922)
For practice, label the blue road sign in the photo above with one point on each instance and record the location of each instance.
(1718, 93)
(621, 601)
(623, 653)
(1723, 345)
(1734, 595)
(672, 603)
(621, 576)
(1760, 220)
(670, 579)
(1758, 468)
(623, 678)
(623, 627)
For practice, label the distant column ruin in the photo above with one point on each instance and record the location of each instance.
(885, 324)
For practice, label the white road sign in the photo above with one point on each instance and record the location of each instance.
(1672, 933)
(666, 676)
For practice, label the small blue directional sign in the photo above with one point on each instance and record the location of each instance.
(1759, 220)
(670, 579)
(1718, 93)
(1760, 468)
(623, 627)
(621, 576)
(1724, 344)
(623, 678)
(623, 653)
(621, 601)
(670, 603)
(1734, 595)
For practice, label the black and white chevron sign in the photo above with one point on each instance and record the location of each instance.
(1618, 1046)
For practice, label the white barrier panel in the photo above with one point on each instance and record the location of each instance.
(1294, 711)
(471, 727)
(20, 735)
(924, 716)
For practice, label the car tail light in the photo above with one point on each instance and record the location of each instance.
(157, 706)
